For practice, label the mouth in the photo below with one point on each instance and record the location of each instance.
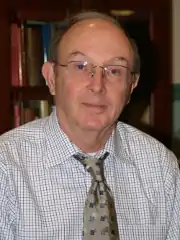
(95, 106)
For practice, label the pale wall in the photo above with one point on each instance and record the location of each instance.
(176, 76)
(176, 41)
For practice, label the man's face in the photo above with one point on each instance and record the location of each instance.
(92, 103)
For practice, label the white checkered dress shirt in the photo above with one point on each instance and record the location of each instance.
(43, 188)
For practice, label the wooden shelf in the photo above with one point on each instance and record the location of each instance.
(30, 93)
(43, 15)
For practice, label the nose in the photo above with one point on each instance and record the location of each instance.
(97, 83)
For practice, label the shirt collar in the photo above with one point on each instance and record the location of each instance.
(60, 148)
(117, 146)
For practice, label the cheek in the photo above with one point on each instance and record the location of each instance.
(119, 96)
(61, 92)
(66, 93)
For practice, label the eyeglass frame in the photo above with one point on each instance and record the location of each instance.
(104, 68)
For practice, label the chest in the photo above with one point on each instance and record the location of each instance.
(51, 203)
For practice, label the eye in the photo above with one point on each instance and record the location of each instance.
(79, 66)
(116, 71)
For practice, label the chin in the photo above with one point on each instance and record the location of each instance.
(92, 125)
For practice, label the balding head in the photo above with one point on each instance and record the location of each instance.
(77, 20)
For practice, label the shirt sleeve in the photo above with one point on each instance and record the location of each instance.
(172, 190)
(7, 206)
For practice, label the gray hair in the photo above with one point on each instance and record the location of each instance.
(87, 15)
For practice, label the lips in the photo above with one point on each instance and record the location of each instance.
(95, 106)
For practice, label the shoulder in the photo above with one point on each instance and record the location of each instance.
(32, 130)
(134, 135)
(18, 141)
(156, 166)
(140, 145)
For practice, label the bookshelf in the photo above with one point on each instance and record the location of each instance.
(30, 41)
(34, 93)
(159, 13)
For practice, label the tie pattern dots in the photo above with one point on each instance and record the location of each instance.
(100, 220)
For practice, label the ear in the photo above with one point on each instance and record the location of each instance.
(135, 82)
(49, 76)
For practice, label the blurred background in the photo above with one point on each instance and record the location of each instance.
(26, 31)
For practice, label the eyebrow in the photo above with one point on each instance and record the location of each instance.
(117, 58)
(75, 53)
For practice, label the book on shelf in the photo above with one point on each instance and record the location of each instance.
(27, 111)
(30, 43)
(16, 55)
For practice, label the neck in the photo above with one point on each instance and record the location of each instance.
(87, 140)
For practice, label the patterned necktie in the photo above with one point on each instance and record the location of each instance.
(100, 220)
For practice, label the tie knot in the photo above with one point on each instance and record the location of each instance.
(94, 166)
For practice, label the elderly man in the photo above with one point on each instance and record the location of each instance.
(80, 174)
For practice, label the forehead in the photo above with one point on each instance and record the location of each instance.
(99, 39)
